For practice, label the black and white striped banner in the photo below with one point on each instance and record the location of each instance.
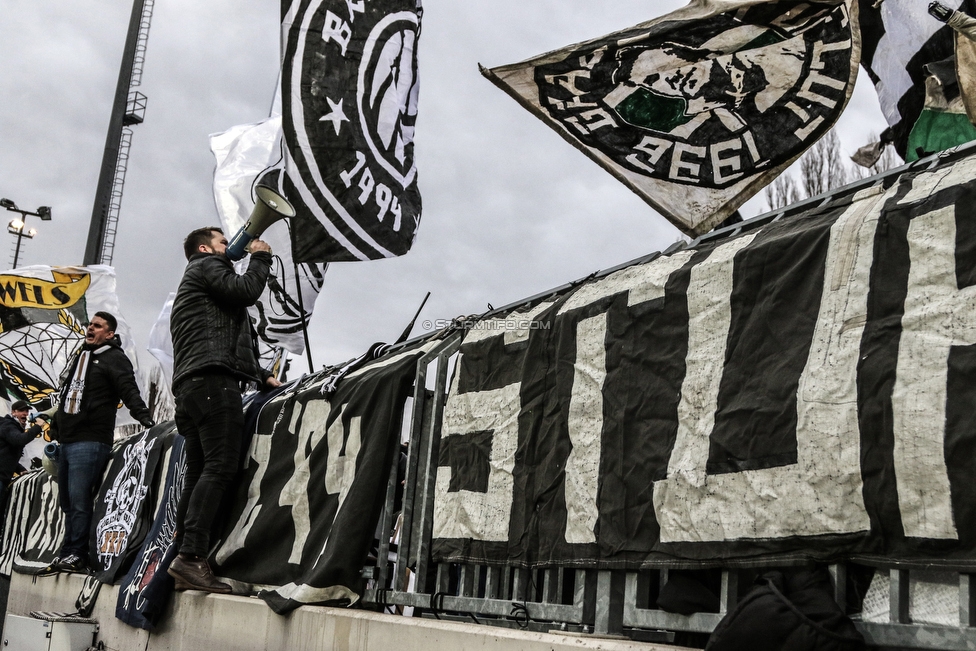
(34, 527)
(804, 388)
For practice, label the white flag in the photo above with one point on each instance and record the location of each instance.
(244, 153)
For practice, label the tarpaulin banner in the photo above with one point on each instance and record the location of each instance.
(699, 109)
(316, 475)
(34, 525)
(349, 88)
(145, 590)
(43, 314)
(124, 508)
(899, 39)
(943, 123)
(804, 388)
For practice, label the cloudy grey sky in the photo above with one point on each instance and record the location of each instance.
(510, 209)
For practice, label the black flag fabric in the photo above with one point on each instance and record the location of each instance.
(699, 109)
(313, 487)
(804, 387)
(349, 90)
(124, 506)
(145, 590)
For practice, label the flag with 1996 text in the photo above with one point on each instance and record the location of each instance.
(699, 109)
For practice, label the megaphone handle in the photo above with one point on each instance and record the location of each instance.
(238, 245)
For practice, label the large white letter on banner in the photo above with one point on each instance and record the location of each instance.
(938, 315)
(469, 514)
(822, 492)
(294, 493)
(585, 430)
(641, 283)
(259, 454)
(341, 470)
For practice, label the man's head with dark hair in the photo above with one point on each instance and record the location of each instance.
(113, 323)
(19, 410)
(201, 236)
(100, 329)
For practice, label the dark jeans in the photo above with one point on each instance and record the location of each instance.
(4, 498)
(210, 416)
(80, 470)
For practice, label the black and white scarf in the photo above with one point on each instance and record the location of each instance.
(75, 382)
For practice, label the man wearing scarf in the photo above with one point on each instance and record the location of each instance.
(99, 376)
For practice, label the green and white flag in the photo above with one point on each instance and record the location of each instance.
(943, 123)
(699, 109)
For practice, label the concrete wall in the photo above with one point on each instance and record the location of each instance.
(196, 621)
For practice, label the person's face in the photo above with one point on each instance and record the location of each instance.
(218, 244)
(20, 415)
(98, 331)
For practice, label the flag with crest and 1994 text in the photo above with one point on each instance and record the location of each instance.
(349, 107)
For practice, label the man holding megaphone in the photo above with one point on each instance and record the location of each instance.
(214, 351)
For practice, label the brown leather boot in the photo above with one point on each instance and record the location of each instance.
(193, 573)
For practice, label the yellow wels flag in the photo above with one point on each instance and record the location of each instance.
(64, 291)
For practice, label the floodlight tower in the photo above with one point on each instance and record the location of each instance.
(129, 109)
(18, 227)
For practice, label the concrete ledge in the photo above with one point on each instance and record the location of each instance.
(196, 621)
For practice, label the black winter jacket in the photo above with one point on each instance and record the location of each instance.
(13, 438)
(110, 380)
(209, 322)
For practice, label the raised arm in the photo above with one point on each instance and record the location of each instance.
(242, 290)
(14, 434)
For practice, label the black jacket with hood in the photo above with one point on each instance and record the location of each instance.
(209, 322)
(109, 381)
(13, 438)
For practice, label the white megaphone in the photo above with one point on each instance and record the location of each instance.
(270, 207)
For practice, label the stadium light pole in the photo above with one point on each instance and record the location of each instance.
(17, 226)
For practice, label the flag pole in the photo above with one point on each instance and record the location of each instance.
(305, 317)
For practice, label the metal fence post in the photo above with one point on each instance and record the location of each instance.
(967, 600)
(898, 594)
(609, 612)
(838, 572)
